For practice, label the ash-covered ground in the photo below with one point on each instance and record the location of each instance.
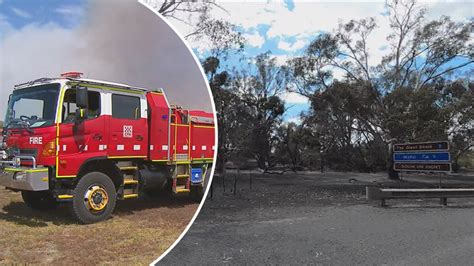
(324, 218)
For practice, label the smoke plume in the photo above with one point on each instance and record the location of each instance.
(118, 41)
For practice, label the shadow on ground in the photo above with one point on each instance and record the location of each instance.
(19, 213)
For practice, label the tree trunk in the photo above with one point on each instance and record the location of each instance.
(220, 162)
(392, 174)
(455, 165)
(321, 164)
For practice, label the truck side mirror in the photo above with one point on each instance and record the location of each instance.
(81, 97)
(80, 114)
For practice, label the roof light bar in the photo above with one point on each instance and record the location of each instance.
(72, 74)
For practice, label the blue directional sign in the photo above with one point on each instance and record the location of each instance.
(422, 157)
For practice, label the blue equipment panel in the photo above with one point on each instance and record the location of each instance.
(196, 175)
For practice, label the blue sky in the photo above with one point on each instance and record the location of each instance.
(285, 28)
(282, 27)
(69, 15)
(20, 13)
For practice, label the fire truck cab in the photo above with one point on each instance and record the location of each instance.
(89, 143)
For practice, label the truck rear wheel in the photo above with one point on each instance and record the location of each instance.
(197, 192)
(94, 198)
(39, 200)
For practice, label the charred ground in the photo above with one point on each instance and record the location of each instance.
(325, 219)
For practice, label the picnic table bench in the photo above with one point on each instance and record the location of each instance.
(382, 194)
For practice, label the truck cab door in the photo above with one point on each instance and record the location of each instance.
(80, 140)
(127, 126)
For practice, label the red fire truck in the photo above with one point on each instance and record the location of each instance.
(88, 143)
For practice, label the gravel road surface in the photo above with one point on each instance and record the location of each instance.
(325, 219)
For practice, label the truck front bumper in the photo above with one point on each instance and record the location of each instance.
(25, 178)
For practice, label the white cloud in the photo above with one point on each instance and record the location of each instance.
(292, 46)
(69, 10)
(21, 13)
(71, 13)
(295, 119)
(338, 73)
(3, 18)
(5, 26)
(281, 59)
(294, 98)
(456, 10)
(304, 23)
(308, 19)
(254, 39)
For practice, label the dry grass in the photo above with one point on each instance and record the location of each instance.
(139, 231)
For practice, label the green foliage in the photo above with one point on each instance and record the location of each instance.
(467, 160)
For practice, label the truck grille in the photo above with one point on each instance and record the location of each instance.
(29, 152)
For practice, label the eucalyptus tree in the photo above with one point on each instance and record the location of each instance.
(396, 98)
(258, 87)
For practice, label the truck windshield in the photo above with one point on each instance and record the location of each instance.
(33, 106)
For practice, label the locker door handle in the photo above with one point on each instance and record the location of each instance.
(139, 137)
(97, 137)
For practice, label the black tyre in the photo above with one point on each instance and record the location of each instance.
(39, 200)
(197, 192)
(94, 198)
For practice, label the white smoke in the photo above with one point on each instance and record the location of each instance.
(119, 41)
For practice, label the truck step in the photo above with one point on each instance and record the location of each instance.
(181, 180)
(124, 168)
(181, 157)
(124, 163)
(130, 181)
(181, 188)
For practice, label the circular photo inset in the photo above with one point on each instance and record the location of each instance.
(108, 138)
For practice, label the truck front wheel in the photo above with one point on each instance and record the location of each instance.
(39, 200)
(94, 198)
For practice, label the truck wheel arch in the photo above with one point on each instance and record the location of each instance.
(103, 165)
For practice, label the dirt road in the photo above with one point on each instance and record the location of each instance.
(139, 231)
(325, 219)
